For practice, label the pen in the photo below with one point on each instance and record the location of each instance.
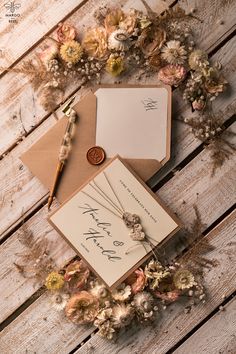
(64, 149)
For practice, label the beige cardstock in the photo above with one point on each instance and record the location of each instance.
(99, 236)
(42, 157)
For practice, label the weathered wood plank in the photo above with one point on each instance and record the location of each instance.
(200, 189)
(219, 281)
(216, 336)
(14, 293)
(25, 108)
(50, 331)
(36, 19)
(215, 15)
(17, 181)
(209, 193)
(175, 324)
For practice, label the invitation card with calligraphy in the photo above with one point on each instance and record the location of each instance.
(114, 222)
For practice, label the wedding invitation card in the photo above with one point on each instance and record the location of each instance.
(113, 222)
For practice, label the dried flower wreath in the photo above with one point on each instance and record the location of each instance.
(134, 42)
(122, 43)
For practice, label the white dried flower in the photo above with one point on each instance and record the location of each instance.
(106, 330)
(183, 279)
(174, 53)
(99, 290)
(122, 293)
(198, 59)
(119, 40)
(59, 301)
(102, 316)
(122, 315)
(143, 302)
(155, 272)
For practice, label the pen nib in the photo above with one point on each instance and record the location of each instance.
(50, 199)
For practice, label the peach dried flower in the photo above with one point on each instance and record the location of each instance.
(151, 40)
(170, 296)
(129, 23)
(65, 33)
(76, 275)
(113, 20)
(172, 74)
(198, 104)
(82, 308)
(95, 43)
(50, 51)
(137, 281)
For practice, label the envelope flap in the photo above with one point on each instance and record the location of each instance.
(42, 157)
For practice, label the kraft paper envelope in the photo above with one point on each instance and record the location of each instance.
(42, 157)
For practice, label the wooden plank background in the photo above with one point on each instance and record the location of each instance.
(222, 328)
(28, 323)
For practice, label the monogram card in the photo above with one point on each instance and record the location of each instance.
(139, 115)
(113, 222)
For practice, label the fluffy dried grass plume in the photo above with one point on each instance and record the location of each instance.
(35, 260)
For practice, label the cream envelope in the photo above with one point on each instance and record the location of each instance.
(42, 157)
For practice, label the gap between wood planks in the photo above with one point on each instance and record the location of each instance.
(28, 302)
(196, 328)
(177, 345)
(37, 206)
(43, 202)
(50, 31)
(156, 185)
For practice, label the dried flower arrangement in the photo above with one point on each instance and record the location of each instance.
(122, 43)
(147, 291)
(84, 299)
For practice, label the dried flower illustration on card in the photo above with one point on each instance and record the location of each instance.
(114, 222)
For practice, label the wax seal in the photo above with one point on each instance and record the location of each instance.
(96, 155)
